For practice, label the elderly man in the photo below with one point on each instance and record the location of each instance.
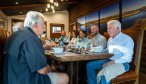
(121, 45)
(25, 61)
(98, 39)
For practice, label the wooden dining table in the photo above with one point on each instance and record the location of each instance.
(73, 57)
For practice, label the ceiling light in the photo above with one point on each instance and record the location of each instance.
(48, 5)
(52, 4)
(51, 1)
(56, 4)
(20, 12)
(46, 9)
(53, 11)
(52, 7)
(16, 2)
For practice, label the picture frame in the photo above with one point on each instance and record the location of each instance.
(55, 30)
(3, 23)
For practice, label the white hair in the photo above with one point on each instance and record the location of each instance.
(115, 23)
(33, 17)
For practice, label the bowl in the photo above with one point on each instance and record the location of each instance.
(97, 49)
(57, 50)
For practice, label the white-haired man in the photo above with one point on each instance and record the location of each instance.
(25, 61)
(121, 45)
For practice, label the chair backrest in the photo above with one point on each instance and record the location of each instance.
(137, 35)
(3, 38)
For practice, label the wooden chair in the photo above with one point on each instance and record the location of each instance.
(2, 41)
(133, 73)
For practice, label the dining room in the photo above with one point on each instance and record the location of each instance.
(65, 20)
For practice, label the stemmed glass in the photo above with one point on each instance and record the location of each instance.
(56, 40)
(66, 41)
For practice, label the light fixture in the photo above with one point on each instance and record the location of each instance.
(52, 4)
(48, 5)
(52, 7)
(16, 3)
(56, 4)
(46, 9)
(51, 1)
(53, 11)
(20, 12)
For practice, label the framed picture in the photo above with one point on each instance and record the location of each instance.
(55, 30)
(14, 22)
(3, 23)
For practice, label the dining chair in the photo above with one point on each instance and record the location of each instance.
(133, 73)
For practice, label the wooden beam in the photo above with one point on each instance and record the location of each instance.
(35, 5)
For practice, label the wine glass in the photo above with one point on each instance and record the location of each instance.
(56, 40)
(66, 41)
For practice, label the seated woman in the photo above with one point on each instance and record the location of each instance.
(63, 39)
(73, 39)
(75, 33)
(82, 40)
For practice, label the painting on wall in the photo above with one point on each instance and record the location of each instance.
(133, 10)
(108, 13)
(81, 23)
(56, 29)
(92, 19)
(15, 22)
(3, 23)
(128, 5)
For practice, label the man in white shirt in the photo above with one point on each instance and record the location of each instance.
(121, 45)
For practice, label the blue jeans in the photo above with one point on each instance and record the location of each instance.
(93, 66)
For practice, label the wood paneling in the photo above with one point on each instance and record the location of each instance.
(143, 55)
(86, 7)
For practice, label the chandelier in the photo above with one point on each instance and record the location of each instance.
(52, 4)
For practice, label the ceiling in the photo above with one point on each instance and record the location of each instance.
(20, 7)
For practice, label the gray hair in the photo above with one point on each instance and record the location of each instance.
(33, 17)
(115, 23)
(17, 26)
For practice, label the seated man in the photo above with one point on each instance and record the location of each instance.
(98, 39)
(121, 45)
(25, 61)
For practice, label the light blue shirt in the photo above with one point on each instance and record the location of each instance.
(82, 43)
(122, 47)
(99, 40)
